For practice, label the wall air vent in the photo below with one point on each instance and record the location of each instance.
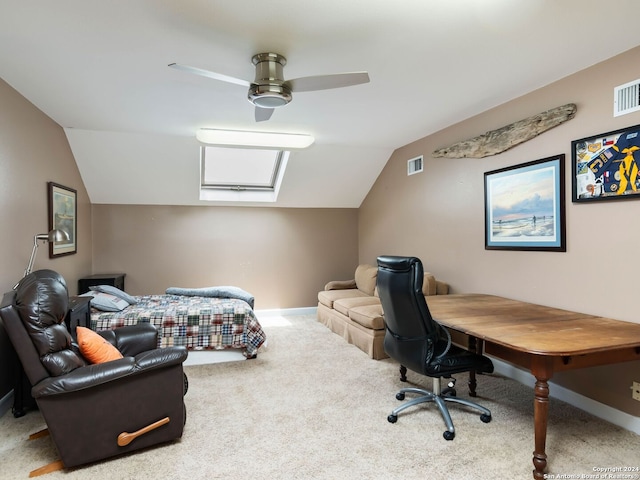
(626, 98)
(414, 165)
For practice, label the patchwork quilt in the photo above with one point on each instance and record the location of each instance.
(198, 323)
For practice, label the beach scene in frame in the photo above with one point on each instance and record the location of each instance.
(524, 206)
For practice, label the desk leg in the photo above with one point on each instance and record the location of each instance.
(473, 347)
(543, 373)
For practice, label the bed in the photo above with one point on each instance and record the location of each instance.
(197, 322)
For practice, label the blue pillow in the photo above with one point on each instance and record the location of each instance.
(106, 302)
(116, 292)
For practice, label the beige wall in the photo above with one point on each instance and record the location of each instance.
(438, 215)
(283, 256)
(34, 151)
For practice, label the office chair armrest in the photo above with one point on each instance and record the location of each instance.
(448, 347)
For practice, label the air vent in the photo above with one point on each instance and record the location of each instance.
(414, 165)
(626, 98)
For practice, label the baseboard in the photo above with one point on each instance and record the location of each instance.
(6, 403)
(597, 409)
(283, 312)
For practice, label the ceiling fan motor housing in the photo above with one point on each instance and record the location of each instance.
(269, 89)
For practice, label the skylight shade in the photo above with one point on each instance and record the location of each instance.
(239, 138)
(239, 168)
(241, 174)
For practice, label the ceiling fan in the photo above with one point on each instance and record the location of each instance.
(270, 90)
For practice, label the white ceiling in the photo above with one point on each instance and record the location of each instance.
(99, 69)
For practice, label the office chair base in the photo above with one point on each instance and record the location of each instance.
(440, 401)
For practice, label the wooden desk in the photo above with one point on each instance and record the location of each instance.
(542, 339)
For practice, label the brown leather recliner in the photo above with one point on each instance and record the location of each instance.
(93, 411)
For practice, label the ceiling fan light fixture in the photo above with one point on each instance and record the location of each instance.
(269, 89)
(240, 138)
(269, 96)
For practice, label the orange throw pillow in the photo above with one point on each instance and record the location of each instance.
(95, 348)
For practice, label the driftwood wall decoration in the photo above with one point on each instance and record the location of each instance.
(497, 141)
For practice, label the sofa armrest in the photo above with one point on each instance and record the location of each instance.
(91, 376)
(442, 288)
(340, 285)
(84, 377)
(162, 357)
(132, 339)
(431, 286)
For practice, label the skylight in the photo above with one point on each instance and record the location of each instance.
(241, 174)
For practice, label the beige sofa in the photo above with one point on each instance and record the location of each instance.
(351, 308)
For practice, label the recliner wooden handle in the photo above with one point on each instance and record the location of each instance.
(125, 438)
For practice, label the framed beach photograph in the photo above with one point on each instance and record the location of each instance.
(63, 213)
(605, 167)
(524, 206)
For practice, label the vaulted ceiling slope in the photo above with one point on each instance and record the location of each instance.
(99, 69)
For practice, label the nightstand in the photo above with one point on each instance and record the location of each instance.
(114, 279)
(79, 314)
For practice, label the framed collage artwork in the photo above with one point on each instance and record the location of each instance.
(603, 166)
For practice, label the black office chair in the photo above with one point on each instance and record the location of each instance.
(418, 342)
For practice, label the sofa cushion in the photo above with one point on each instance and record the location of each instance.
(366, 276)
(344, 305)
(369, 316)
(327, 297)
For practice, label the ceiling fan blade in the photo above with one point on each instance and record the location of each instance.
(263, 114)
(207, 73)
(325, 82)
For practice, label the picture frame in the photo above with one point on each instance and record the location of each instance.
(63, 215)
(524, 206)
(603, 166)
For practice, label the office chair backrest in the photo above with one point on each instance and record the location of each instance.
(411, 331)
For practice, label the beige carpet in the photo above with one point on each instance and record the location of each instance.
(313, 407)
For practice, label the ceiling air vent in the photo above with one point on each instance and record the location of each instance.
(414, 165)
(626, 98)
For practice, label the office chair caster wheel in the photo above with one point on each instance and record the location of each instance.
(485, 418)
(392, 418)
(400, 396)
(449, 435)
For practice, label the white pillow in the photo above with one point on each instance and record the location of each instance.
(116, 292)
(106, 302)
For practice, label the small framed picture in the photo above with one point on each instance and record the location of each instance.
(63, 215)
(524, 206)
(605, 166)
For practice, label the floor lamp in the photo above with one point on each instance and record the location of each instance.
(53, 236)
